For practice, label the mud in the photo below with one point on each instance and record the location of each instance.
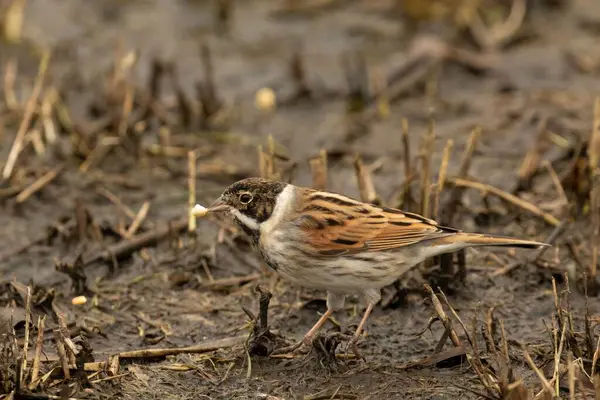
(162, 296)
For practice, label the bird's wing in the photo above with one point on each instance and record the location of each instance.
(333, 225)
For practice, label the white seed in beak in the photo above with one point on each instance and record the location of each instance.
(199, 211)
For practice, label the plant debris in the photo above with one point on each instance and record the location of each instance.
(117, 283)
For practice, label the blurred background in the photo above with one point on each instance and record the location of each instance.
(117, 116)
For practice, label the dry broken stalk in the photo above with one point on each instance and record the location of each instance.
(122, 208)
(164, 139)
(318, 167)
(113, 365)
(44, 397)
(406, 150)
(365, 182)
(62, 354)
(426, 152)
(596, 388)
(126, 247)
(455, 315)
(10, 75)
(271, 147)
(406, 199)
(27, 117)
(262, 162)
(488, 381)
(485, 376)
(204, 347)
(127, 108)
(50, 98)
(233, 281)
(35, 138)
(463, 171)
(556, 181)
(463, 183)
(557, 357)
(492, 38)
(38, 184)
(442, 177)
(66, 338)
(116, 76)
(533, 157)
(191, 190)
(504, 342)
(98, 153)
(26, 338)
(138, 220)
(571, 372)
(594, 168)
(595, 359)
(488, 331)
(266, 163)
(437, 305)
(13, 21)
(514, 21)
(39, 346)
(546, 385)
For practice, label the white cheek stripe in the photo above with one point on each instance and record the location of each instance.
(336, 196)
(246, 220)
(282, 204)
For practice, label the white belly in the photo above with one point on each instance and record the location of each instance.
(343, 274)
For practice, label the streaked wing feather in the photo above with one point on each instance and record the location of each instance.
(335, 225)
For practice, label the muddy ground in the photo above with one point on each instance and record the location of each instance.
(189, 289)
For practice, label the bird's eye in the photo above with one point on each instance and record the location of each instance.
(245, 198)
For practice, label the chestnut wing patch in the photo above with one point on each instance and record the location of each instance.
(338, 225)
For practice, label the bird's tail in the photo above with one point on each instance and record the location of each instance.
(462, 240)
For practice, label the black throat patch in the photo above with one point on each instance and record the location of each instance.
(254, 237)
(253, 234)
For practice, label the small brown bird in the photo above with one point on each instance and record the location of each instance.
(327, 241)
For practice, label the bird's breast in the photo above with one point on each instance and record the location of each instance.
(275, 248)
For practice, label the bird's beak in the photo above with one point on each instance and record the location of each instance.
(218, 205)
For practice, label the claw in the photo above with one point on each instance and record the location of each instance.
(353, 344)
(296, 347)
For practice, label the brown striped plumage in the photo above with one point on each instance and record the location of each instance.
(338, 226)
(328, 241)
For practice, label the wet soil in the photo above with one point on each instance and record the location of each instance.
(163, 295)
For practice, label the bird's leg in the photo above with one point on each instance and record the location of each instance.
(335, 301)
(372, 296)
(355, 338)
(309, 336)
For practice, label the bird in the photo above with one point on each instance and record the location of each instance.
(328, 241)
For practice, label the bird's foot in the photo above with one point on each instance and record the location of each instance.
(296, 348)
(353, 344)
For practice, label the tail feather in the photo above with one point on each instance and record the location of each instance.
(462, 240)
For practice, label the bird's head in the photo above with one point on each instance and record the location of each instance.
(251, 201)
